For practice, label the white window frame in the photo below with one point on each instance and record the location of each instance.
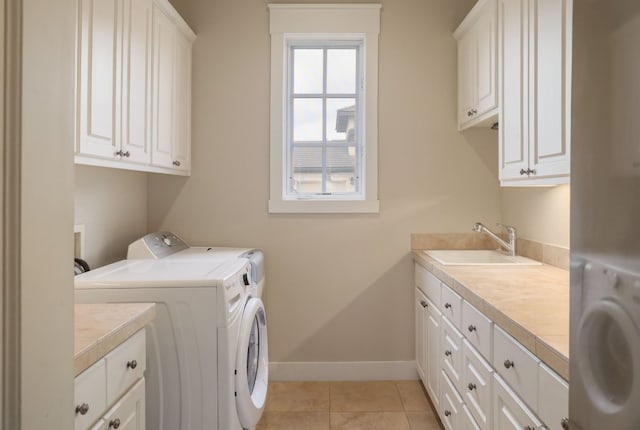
(324, 22)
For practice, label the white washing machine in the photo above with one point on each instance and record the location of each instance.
(164, 244)
(605, 328)
(207, 348)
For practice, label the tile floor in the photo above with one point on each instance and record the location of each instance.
(375, 405)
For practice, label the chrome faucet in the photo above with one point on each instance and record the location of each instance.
(510, 246)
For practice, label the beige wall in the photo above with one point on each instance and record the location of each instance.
(112, 206)
(540, 214)
(47, 215)
(339, 286)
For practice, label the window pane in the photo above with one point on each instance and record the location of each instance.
(341, 120)
(306, 169)
(307, 120)
(307, 71)
(341, 169)
(341, 71)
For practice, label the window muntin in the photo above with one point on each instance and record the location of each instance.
(324, 157)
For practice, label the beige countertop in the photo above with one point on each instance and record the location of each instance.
(531, 303)
(99, 328)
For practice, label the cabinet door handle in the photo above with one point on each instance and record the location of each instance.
(564, 423)
(448, 353)
(524, 172)
(469, 113)
(118, 153)
(447, 413)
(531, 171)
(447, 305)
(126, 154)
(471, 328)
(132, 364)
(82, 409)
(529, 428)
(471, 386)
(114, 424)
(176, 163)
(474, 111)
(423, 303)
(509, 364)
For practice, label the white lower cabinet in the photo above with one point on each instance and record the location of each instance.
(553, 399)
(481, 378)
(450, 404)
(476, 379)
(433, 359)
(111, 393)
(509, 412)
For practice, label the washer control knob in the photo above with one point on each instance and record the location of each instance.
(166, 241)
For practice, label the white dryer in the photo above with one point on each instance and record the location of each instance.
(207, 348)
(605, 328)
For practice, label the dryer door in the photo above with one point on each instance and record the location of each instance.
(252, 364)
(609, 365)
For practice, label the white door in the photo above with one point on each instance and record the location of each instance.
(421, 334)
(164, 77)
(486, 59)
(513, 35)
(467, 51)
(509, 412)
(136, 81)
(252, 364)
(550, 48)
(129, 412)
(434, 361)
(182, 144)
(100, 59)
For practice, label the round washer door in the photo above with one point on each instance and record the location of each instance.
(610, 364)
(252, 364)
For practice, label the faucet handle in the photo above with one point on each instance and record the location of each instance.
(510, 229)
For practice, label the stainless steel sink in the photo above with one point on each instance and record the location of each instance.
(454, 257)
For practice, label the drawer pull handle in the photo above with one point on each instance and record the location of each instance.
(472, 328)
(447, 353)
(471, 386)
(564, 423)
(176, 163)
(509, 364)
(447, 305)
(423, 303)
(82, 409)
(447, 413)
(132, 364)
(114, 424)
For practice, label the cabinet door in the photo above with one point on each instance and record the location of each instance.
(486, 59)
(553, 398)
(100, 56)
(451, 352)
(136, 81)
(476, 390)
(513, 37)
(450, 404)
(164, 76)
(550, 53)
(129, 412)
(467, 420)
(467, 51)
(509, 412)
(182, 144)
(421, 334)
(434, 362)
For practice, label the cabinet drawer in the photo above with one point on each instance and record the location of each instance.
(450, 404)
(428, 284)
(476, 385)
(452, 306)
(90, 394)
(517, 366)
(478, 329)
(509, 412)
(452, 352)
(553, 398)
(125, 365)
(129, 412)
(468, 422)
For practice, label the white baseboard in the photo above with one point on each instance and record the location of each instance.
(342, 371)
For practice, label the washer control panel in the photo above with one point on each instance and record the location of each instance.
(155, 245)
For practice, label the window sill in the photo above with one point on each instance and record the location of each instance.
(326, 207)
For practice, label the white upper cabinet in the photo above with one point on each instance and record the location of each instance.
(535, 91)
(477, 66)
(172, 87)
(123, 76)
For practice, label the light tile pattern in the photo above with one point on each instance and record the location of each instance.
(367, 405)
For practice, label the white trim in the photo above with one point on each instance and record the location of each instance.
(343, 371)
(327, 21)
